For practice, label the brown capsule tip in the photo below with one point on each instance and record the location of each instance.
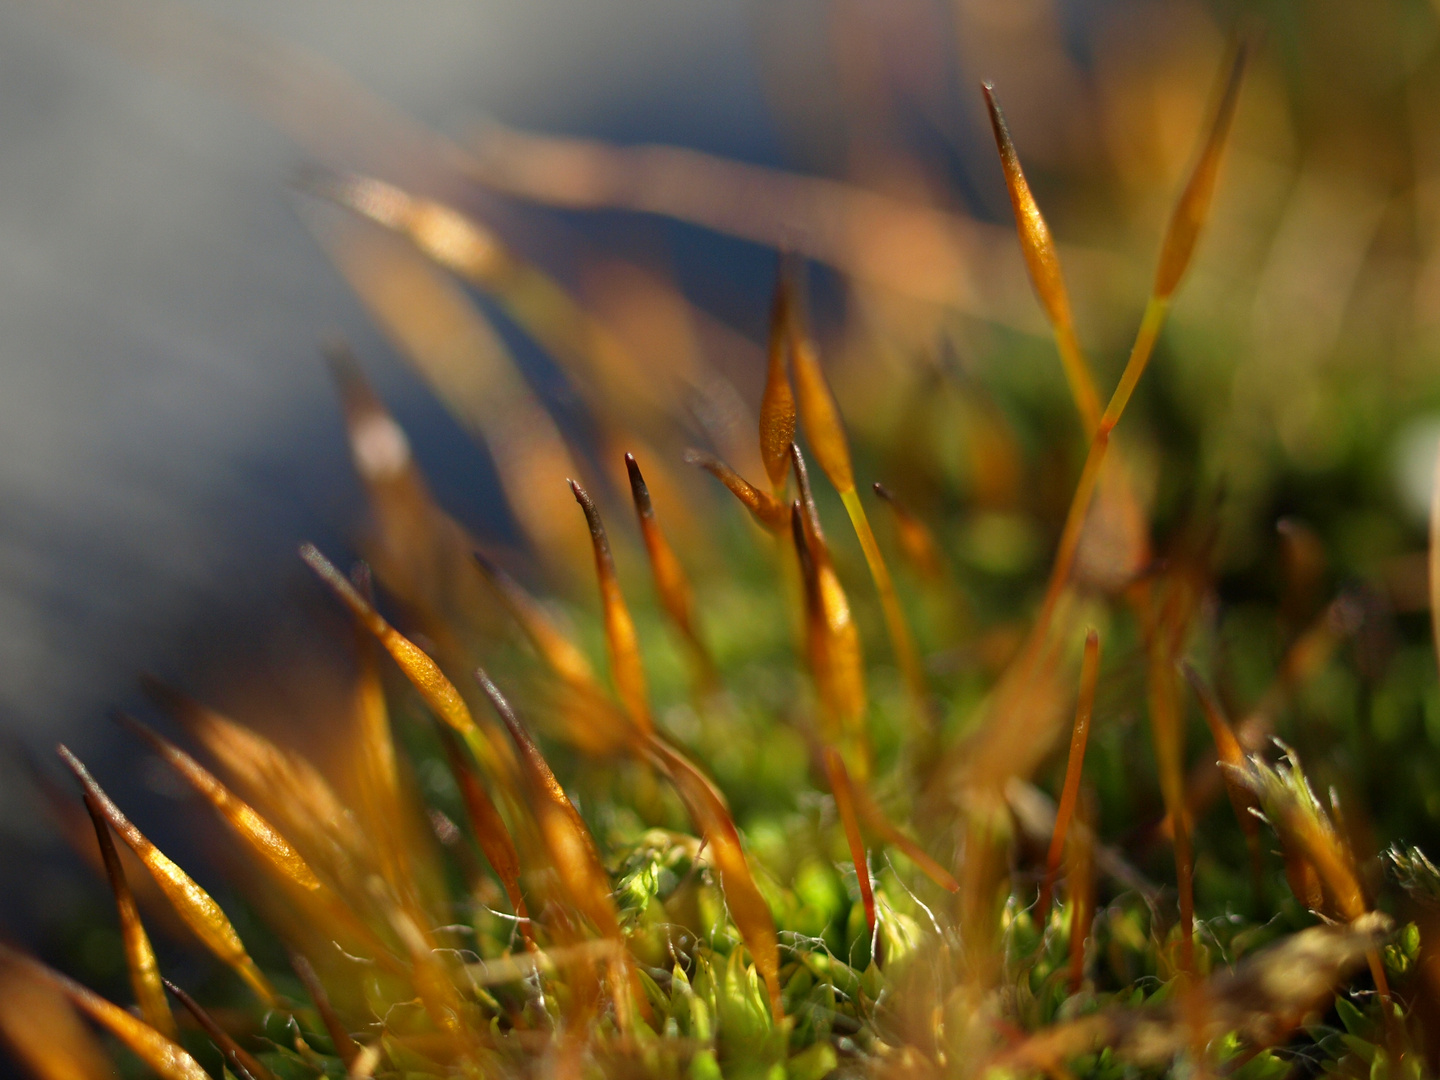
(592, 518)
(882, 491)
(1092, 637)
(638, 488)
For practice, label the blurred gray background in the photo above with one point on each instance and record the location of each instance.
(167, 432)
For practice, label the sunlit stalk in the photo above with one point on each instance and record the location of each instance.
(845, 807)
(139, 953)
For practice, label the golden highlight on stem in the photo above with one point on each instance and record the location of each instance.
(139, 953)
(166, 1057)
(438, 691)
(839, 778)
(826, 431)
(274, 851)
(194, 905)
(833, 639)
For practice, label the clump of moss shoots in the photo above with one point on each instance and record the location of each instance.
(827, 807)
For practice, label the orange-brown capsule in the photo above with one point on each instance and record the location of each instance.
(139, 954)
(196, 906)
(1193, 207)
(274, 851)
(438, 691)
(818, 411)
(777, 403)
(1043, 263)
(671, 583)
(767, 510)
(621, 643)
(917, 542)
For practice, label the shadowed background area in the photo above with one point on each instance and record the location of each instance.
(169, 433)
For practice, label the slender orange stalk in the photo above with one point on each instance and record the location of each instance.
(139, 953)
(490, 832)
(747, 906)
(671, 583)
(891, 834)
(1089, 674)
(1232, 764)
(260, 836)
(344, 1045)
(1181, 237)
(240, 1059)
(826, 431)
(839, 778)
(621, 643)
(196, 906)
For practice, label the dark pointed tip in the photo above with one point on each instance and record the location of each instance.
(638, 488)
(882, 491)
(633, 468)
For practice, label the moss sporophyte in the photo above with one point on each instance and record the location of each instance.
(774, 834)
